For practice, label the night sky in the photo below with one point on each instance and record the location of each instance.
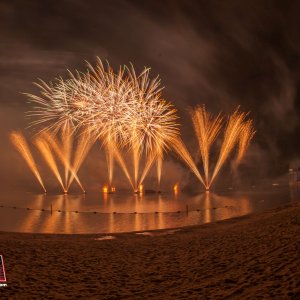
(221, 53)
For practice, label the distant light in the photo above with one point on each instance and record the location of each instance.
(105, 189)
(176, 188)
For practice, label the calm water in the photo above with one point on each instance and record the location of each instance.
(123, 212)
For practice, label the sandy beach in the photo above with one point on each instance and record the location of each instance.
(251, 257)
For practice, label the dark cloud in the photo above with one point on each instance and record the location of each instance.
(222, 53)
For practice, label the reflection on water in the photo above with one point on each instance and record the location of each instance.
(123, 212)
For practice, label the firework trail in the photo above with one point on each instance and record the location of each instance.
(136, 156)
(184, 154)
(233, 133)
(207, 128)
(45, 144)
(123, 165)
(159, 165)
(148, 164)
(246, 135)
(55, 145)
(21, 145)
(46, 152)
(67, 145)
(109, 152)
(84, 144)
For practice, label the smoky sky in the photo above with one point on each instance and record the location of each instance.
(220, 53)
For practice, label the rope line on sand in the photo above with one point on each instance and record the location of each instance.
(187, 210)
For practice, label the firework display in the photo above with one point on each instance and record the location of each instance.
(237, 132)
(207, 129)
(125, 111)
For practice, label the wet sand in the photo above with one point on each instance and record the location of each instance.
(251, 257)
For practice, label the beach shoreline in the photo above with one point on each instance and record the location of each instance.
(244, 258)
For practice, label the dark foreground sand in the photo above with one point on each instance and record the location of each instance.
(252, 257)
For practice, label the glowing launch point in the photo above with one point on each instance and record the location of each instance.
(108, 190)
(139, 190)
(176, 188)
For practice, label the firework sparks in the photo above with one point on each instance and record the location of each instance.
(206, 129)
(122, 109)
(21, 145)
(46, 152)
(246, 135)
(84, 144)
(232, 135)
(125, 111)
(67, 144)
(135, 118)
(159, 165)
(184, 154)
(55, 145)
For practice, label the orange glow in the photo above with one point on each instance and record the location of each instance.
(105, 189)
(141, 189)
(176, 188)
